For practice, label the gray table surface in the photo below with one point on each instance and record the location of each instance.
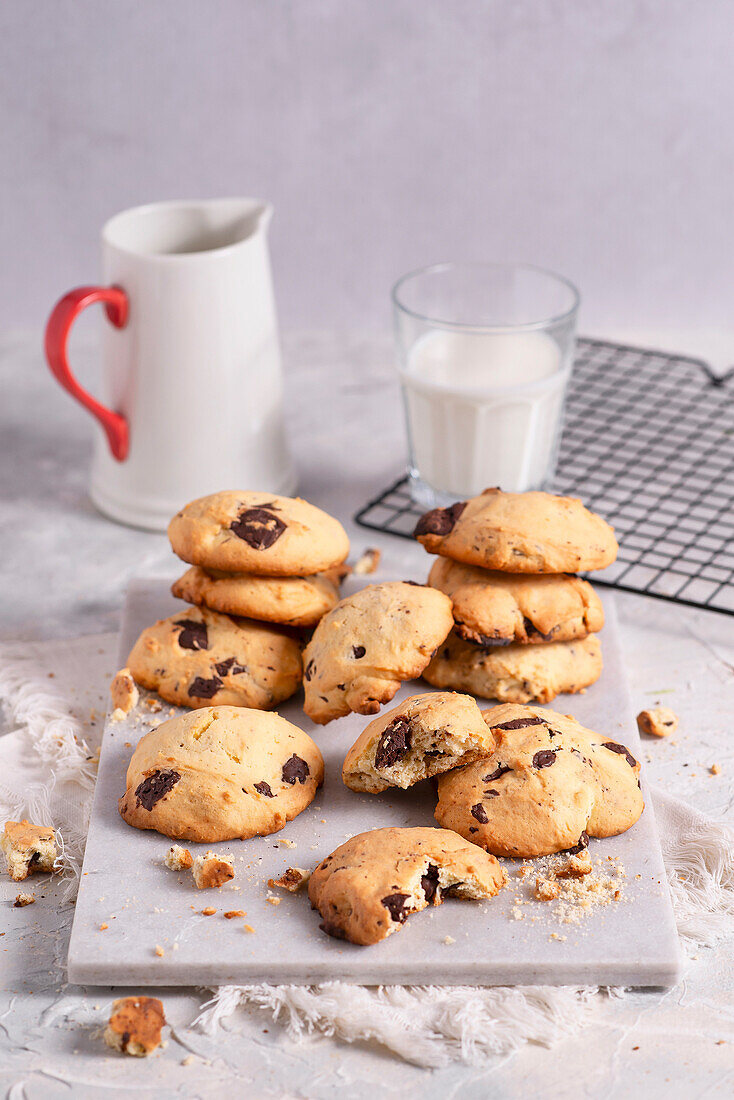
(63, 572)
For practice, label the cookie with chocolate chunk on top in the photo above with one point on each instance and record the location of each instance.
(250, 532)
(424, 736)
(361, 652)
(498, 609)
(519, 533)
(516, 673)
(199, 657)
(548, 785)
(221, 773)
(368, 887)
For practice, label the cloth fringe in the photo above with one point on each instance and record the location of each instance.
(425, 1025)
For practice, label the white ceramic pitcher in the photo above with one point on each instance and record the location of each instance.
(193, 399)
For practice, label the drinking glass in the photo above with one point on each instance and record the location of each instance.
(484, 353)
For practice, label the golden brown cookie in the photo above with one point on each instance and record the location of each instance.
(249, 532)
(199, 657)
(293, 601)
(424, 736)
(362, 650)
(369, 886)
(516, 673)
(547, 786)
(519, 533)
(493, 608)
(220, 773)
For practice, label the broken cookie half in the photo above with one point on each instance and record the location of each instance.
(28, 848)
(368, 887)
(426, 735)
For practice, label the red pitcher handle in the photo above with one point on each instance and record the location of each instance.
(57, 334)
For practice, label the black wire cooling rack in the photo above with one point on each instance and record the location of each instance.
(648, 443)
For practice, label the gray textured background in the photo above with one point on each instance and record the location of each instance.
(595, 138)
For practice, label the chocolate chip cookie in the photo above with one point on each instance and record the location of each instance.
(493, 608)
(547, 786)
(259, 533)
(516, 673)
(519, 533)
(362, 650)
(199, 657)
(221, 773)
(368, 887)
(293, 601)
(424, 736)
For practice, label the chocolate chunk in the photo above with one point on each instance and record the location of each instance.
(295, 770)
(395, 903)
(193, 635)
(492, 793)
(258, 527)
(429, 882)
(358, 651)
(204, 689)
(532, 631)
(614, 747)
(264, 788)
(333, 930)
(485, 641)
(479, 813)
(439, 521)
(501, 770)
(583, 843)
(230, 665)
(152, 789)
(394, 743)
(310, 668)
(520, 723)
(544, 758)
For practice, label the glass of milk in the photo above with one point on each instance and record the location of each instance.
(485, 353)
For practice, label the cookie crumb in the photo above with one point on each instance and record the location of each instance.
(248, 928)
(159, 951)
(178, 858)
(153, 705)
(292, 880)
(287, 843)
(124, 692)
(209, 911)
(135, 1026)
(273, 901)
(369, 561)
(188, 1060)
(211, 870)
(715, 769)
(104, 926)
(232, 913)
(658, 721)
(575, 866)
(449, 940)
(556, 936)
(546, 889)
(23, 899)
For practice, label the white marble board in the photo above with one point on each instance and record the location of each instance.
(126, 886)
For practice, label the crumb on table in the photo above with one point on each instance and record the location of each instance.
(212, 870)
(22, 899)
(135, 1026)
(657, 721)
(291, 880)
(178, 858)
(124, 692)
(28, 848)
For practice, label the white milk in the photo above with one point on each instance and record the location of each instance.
(483, 409)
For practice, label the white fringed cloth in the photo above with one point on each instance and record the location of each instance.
(47, 769)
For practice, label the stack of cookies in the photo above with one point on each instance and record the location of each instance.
(524, 625)
(259, 564)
